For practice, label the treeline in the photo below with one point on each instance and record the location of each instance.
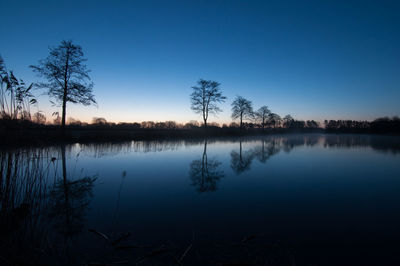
(193, 124)
(383, 125)
(28, 132)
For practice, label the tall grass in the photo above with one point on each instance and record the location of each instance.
(15, 96)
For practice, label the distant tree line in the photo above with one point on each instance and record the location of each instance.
(383, 125)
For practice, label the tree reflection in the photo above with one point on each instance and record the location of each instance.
(205, 172)
(266, 150)
(241, 161)
(70, 201)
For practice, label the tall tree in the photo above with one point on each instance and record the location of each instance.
(262, 115)
(205, 98)
(242, 109)
(67, 76)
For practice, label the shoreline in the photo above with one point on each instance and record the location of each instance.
(55, 135)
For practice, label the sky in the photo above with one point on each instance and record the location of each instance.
(311, 59)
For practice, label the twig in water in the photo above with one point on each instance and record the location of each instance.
(248, 238)
(99, 234)
(186, 251)
(130, 247)
(154, 253)
(124, 237)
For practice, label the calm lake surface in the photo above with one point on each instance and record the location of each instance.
(276, 200)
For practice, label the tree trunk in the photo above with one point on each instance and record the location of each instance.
(64, 111)
(64, 106)
(263, 123)
(205, 117)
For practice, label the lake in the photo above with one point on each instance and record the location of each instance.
(271, 200)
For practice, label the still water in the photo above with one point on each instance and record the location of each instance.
(277, 200)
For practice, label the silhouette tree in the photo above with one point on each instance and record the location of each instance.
(191, 124)
(288, 121)
(242, 109)
(73, 121)
(39, 118)
(314, 124)
(262, 115)
(67, 76)
(205, 98)
(274, 119)
(99, 121)
(205, 172)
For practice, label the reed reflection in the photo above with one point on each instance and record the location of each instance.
(35, 199)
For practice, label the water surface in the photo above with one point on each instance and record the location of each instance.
(280, 200)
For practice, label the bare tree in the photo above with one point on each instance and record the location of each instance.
(262, 115)
(314, 124)
(288, 121)
(242, 109)
(39, 118)
(274, 119)
(67, 76)
(192, 124)
(205, 98)
(99, 120)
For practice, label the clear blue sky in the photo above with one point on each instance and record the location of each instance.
(311, 59)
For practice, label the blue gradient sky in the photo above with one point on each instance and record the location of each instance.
(311, 59)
